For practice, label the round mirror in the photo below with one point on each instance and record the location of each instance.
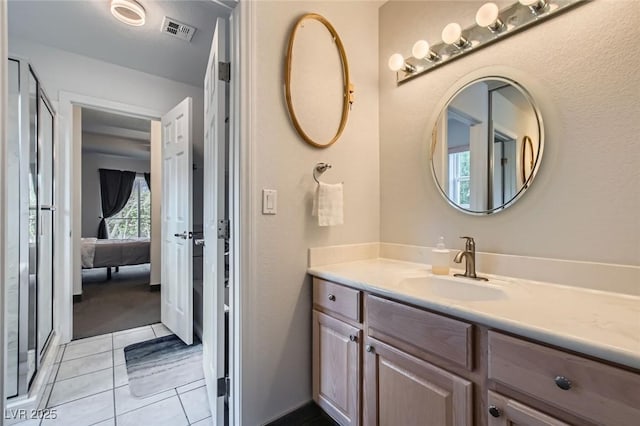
(317, 87)
(486, 145)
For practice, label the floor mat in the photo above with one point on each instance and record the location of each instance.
(161, 364)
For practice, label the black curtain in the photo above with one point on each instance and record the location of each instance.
(115, 190)
(147, 178)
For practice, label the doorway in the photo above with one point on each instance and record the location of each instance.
(119, 276)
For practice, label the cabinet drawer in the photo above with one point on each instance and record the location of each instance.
(592, 390)
(336, 298)
(417, 331)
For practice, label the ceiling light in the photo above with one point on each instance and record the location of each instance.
(129, 12)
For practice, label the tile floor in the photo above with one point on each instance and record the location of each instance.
(89, 386)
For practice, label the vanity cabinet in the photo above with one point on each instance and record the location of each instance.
(337, 349)
(505, 411)
(400, 389)
(377, 361)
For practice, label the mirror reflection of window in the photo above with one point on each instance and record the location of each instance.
(478, 159)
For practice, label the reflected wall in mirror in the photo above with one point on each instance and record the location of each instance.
(318, 92)
(486, 145)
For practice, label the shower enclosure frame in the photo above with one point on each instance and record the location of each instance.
(32, 347)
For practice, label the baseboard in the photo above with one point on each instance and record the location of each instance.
(154, 287)
(77, 298)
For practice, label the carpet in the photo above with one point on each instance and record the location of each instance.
(122, 303)
(161, 364)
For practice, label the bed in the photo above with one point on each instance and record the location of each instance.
(109, 254)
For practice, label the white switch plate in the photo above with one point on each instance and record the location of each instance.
(269, 201)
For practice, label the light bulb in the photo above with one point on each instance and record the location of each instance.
(396, 62)
(536, 6)
(420, 49)
(487, 15)
(452, 33)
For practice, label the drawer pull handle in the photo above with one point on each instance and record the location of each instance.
(353, 338)
(369, 348)
(332, 297)
(563, 383)
(494, 411)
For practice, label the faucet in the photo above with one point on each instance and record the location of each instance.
(470, 265)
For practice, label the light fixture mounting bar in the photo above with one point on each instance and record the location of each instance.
(515, 18)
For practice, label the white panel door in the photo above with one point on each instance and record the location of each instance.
(213, 328)
(177, 222)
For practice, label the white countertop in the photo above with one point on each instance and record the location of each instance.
(597, 323)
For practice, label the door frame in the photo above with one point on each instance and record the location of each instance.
(70, 199)
(4, 53)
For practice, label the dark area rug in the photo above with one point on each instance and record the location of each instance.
(161, 364)
(307, 415)
(121, 303)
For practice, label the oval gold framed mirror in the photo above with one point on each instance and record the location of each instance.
(486, 145)
(316, 78)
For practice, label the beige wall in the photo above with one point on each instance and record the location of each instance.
(582, 68)
(279, 378)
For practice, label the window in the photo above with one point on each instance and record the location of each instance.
(459, 166)
(134, 220)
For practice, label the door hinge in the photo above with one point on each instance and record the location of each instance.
(224, 386)
(224, 229)
(224, 71)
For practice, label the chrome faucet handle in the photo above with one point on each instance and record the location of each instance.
(470, 244)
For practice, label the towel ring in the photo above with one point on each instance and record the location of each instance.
(320, 168)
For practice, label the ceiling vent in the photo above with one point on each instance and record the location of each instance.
(177, 29)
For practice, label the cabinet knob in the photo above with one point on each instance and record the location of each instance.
(369, 348)
(332, 297)
(353, 338)
(494, 411)
(563, 383)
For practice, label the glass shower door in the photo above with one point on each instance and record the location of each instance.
(46, 216)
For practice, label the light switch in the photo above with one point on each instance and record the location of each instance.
(269, 201)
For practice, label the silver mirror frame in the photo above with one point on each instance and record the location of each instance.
(432, 131)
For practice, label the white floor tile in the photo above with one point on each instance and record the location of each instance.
(196, 404)
(110, 422)
(87, 348)
(81, 386)
(45, 397)
(53, 374)
(31, 422)
(60, 352)
(167, 412)
(118, 356)
(84, 365)
(191, 386)
(89, 339)
(206, 422)
(161, 330)
(122, 340)
(120, 375)
(131, 330)
(126, 402)
(84, 412)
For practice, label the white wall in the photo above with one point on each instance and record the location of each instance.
(277, 347)
(583, 203)
(91, 162)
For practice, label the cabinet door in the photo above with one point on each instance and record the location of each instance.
(336, 368)
(504, 411)
(402, 390)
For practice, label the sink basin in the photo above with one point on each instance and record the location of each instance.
(459, 288)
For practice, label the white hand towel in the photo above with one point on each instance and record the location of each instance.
(328, 204)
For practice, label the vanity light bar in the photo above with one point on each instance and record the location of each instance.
(492, 25)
